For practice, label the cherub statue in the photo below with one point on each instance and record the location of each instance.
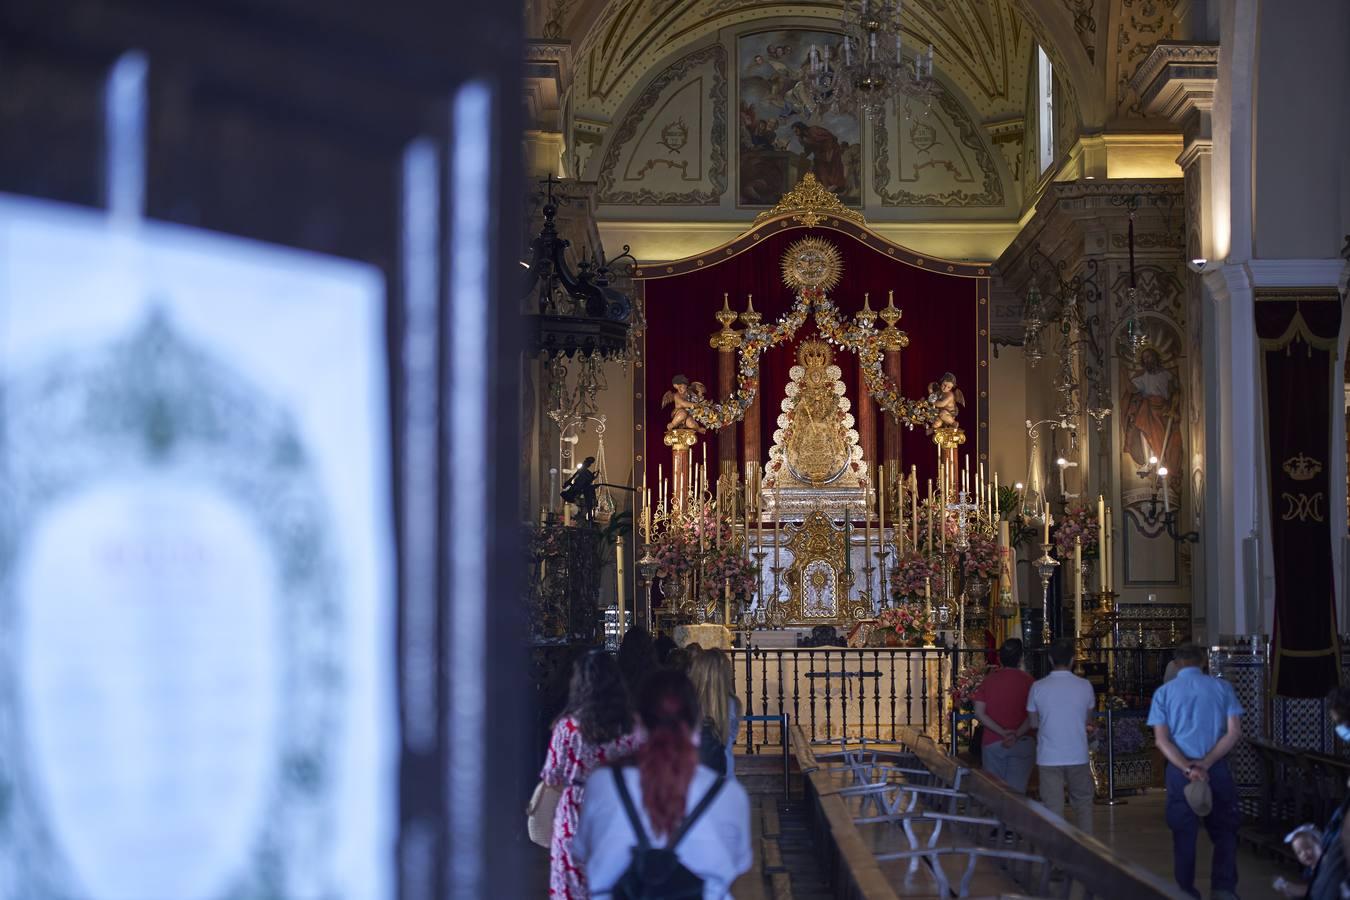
(946, 397)
(685, 394)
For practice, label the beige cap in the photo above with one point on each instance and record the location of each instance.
(1200, 797)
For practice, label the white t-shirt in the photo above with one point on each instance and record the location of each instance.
(1063, 702)
(716, 849)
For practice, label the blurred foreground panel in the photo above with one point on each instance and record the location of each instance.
(196, 551)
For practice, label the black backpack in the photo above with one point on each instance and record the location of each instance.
(711, 752)
(656, 873)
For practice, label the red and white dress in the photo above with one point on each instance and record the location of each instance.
(570, 761)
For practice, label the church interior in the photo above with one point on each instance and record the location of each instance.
(939, 401)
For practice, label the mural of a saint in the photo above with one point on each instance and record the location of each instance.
(1152, 420)
(827, 160)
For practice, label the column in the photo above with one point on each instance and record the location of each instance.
(725, 342)
(867, 410)
(750, 424)
(681, 442)
(893, 340)
(1177, 82)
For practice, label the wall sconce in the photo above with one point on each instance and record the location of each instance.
(1169, 515)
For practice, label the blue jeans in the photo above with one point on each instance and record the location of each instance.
(1221, 823)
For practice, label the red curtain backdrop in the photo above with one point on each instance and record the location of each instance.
(1298, 349)
(943, 316)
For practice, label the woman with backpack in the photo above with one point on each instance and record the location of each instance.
(596, 728)
(666, 827)
(714, 685)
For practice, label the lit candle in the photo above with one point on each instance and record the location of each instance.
(1046, 538)
(1078, 588)
(881, 505)
(1101, 544)
(618, 577)
(867, 533)
(930, 517)
(994, 510)
(1110, 552)
(777, 522)
(914, 506)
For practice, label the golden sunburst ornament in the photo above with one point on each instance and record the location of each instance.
(812, 263)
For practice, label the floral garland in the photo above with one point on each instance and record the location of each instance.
(913, 572)
(863, 340)
(754, 341)
(1077, 522)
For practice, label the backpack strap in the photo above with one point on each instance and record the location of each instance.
(698, 811)
(643, 844)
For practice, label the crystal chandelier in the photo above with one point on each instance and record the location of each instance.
(871, 29)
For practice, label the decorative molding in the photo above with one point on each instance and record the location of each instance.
(809, 203)
(1176, 79)
(715, 54)
(1084, 25)
(1143, 24)
(854, 229)
(1295, 273)
(991, 192)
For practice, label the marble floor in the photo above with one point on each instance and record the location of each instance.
(1138, 831)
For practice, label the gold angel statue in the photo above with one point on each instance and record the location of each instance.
(685, 394)
(946, 398)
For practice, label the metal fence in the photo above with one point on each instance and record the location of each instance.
(835, 693)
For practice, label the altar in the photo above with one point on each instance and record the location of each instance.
(810, 490)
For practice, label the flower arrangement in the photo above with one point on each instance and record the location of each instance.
(674, 550)
(914, 571)
(982, 558)
(725, 565)
(967, 682)
(1077, 522)
(905, 624)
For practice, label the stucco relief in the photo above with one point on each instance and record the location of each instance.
(1140, 25)
(671, 146)
(1157, 289)
(941, 158)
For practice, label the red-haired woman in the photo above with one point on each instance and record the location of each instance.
(665, 787)
(596, 728)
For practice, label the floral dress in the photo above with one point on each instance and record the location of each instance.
(570, 761)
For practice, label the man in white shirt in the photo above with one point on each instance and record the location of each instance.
(1060, 707)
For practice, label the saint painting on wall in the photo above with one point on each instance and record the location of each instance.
(1153, 433)
(789, 127)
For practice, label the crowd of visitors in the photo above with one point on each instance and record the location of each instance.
(643, 758)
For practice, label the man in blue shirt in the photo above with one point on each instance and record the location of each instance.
(1196, 721)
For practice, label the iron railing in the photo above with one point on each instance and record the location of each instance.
(869, 693)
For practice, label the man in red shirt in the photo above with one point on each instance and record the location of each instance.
(1001, 706)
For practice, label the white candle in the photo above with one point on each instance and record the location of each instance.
(1110, 552)
(1101, 544)
(1078, 588)
(1046, 537)
(914, 505)
(881, 504)
(619, 579)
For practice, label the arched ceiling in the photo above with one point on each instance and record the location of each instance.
(982, 46)
(1096, 45)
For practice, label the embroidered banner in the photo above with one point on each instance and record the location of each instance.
(1298, 354)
